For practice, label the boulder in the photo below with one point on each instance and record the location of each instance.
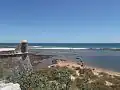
(9, 86)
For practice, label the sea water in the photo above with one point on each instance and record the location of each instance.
(109, 59)
(66, 45)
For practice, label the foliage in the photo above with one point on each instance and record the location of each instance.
(46, 78)
(98, 85)
(1, 70)
(59, 78)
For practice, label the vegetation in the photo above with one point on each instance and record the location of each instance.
(45, 79)
(1, 70)
(59, 78)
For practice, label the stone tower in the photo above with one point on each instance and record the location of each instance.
(24, 60)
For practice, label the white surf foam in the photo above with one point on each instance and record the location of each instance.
(35, 46)
(59, 48)
(40, 47)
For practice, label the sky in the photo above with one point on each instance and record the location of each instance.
(60, 21)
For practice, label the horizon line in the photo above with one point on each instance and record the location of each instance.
(64, 42)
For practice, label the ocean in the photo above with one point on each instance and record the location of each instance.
(66, 45)
(91, 53)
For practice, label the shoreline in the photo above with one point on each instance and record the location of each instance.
(96, 70)
(110, 72)
(100, 69)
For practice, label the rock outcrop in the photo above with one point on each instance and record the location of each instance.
(9, 86)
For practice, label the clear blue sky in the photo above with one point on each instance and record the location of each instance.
(82, 21)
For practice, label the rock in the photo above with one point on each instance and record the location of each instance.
(72, 78)
(9, 86)
(108, 83)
